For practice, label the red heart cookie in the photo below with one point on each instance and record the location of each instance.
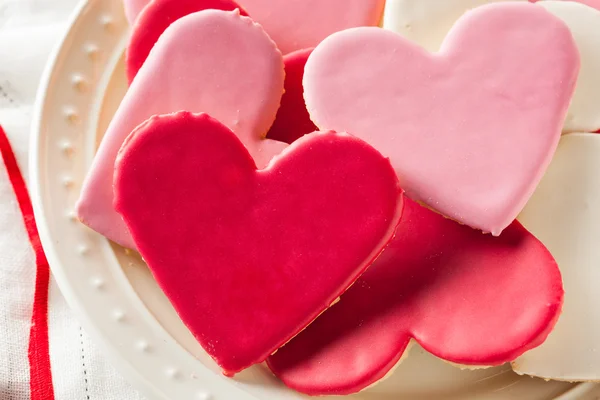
(155, 18)
(468, 298)
(250, 257)
(470, 130)
(292, 120)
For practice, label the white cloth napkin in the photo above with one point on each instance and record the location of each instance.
(29, 30)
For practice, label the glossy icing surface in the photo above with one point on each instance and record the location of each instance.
(293, 120)
(426, 22)
(489, 116)
(301, 24)
(249, 257)
(464, 296)
(584, 22)
(157, 17)
(185, 72)
(564, 213)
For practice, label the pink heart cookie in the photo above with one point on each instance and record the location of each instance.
(468, 298)
(156, 18)
(470, 130)
(250, 257)
(185, 71)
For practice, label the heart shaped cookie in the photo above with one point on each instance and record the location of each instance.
(564, 213)
(250, 257)
(470, 130)
(584, 22)
(465, 297)
(185, 72)
(292, 120)
(156, 18)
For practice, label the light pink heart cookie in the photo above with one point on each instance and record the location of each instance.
(470, 130)
(213, 61)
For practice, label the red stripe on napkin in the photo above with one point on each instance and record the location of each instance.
(39, 348)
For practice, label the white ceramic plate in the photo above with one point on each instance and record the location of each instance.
(113, 292)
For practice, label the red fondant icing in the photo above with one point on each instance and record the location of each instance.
(466, 297)
(293, 121)
(250, 257)
(155, 18)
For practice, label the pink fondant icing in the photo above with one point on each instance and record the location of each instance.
(249, 257)
(211, 61)
(470, 130)
(468, 298)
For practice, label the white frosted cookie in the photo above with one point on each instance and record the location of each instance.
(584, 22)
(564, 213)
(426, 22)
